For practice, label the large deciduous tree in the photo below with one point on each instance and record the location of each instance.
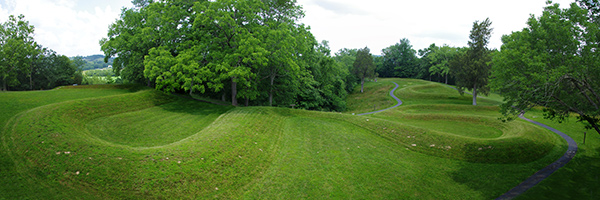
(471, 69)
(148, 25)
(345, 58)
(439, 60)
(17, 50)
(255, 50)
(399, 60)
(363, 66)
(554, 62)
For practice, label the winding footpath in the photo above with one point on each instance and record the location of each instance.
(548, 170)
(393, 96)
(533, 179)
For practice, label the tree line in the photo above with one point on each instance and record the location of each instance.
(26, 65)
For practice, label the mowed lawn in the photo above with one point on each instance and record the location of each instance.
(127, 142)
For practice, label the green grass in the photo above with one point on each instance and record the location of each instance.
(124, 142)
(156, 126)
(580, 178)
(375, 97)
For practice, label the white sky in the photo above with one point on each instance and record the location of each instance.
(74, 27)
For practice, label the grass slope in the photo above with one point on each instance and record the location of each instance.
(580, 178)
(128, 143)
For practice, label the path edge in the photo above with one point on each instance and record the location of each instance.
(393, 96)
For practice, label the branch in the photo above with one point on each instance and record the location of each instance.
(569, 107)
(577, 84)
(589, 87)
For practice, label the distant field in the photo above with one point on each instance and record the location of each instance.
(98, 142)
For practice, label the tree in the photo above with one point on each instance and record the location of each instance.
(148, 25)
(554, 63)
(471, 69)
(363, 66)
(280, 37)
(399, 60)
(322, 84)
(17, 49)
(254, 50)
(345, 58)
(439, 60)
(424, 62)
(234, 47)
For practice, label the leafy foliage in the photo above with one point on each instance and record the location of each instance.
(254, 50)
(25, 65)
(471, 69)
(345, 58)
(16, 50)
(399, 60)
(553, 63)
(440, 58)
(363, 66)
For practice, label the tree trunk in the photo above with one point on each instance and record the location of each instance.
(596, 127)
(362, 85)
(223, 96)
(30, 79)
(4, 84)
(593, 123)
(233, 92)
(247, 102)
(446, 79)
(475, 94)
(271, 91)
(192, 87)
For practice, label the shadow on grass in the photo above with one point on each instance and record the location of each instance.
(579, 179)
(493, 179)
(192, 107)
(132, 87)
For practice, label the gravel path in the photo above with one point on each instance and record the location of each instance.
(393, 96)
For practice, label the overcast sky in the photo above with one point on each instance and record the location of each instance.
(74, 27)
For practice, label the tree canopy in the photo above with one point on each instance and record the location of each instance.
(345, 58)
(25, 65)
(554, 63)
(363, 66)
(399, 60)
(439, 60)
(471, 69)
(255, 50)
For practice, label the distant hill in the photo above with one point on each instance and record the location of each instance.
(95, 62)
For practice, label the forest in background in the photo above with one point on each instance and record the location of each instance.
(94, 62)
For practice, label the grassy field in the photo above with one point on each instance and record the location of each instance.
(100, 142)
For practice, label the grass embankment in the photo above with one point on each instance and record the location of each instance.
(580, 178)
(147, 145)
(12, 103)
(440, 118)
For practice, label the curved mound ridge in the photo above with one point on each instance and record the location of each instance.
(436, 120)
(99, 148)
